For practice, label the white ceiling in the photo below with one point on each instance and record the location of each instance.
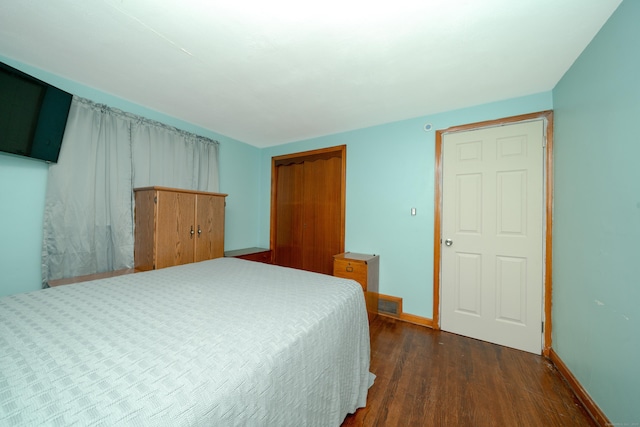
(272, 72)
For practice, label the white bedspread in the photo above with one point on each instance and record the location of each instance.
(217, 343)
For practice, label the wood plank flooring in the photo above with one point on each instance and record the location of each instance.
(433, 378)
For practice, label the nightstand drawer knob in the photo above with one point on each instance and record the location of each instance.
(349, 269)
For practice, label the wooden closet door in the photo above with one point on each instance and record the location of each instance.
(321, 214)
(174, 243)
(308, 208)
(289, 215)
(209, 238)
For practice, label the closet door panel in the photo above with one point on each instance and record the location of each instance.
(322, 205)
(289, 215)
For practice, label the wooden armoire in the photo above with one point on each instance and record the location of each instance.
(174, 226)
(308, 208)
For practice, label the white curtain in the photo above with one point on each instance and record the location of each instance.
(88, 219)
(169, 157)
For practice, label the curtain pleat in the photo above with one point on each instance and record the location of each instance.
(88, 218)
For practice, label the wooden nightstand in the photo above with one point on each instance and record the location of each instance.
(252, 254)
(364, 269)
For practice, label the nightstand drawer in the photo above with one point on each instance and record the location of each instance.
(351, 269)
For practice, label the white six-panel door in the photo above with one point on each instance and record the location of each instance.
(492, 234)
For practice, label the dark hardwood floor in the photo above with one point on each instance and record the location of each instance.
(433, 378)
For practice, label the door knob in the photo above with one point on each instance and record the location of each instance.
(448, 242)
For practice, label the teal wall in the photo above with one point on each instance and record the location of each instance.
(23, 183)
(390, 169)
(22, 190)
(596, 251)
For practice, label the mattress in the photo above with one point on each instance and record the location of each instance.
(218, 343)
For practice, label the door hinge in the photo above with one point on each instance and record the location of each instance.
(155, 199)
(542, 324)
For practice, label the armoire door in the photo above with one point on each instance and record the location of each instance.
(174, 244)
(308, 208)
(209, 224)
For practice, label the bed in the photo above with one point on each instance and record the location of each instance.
(217, 343)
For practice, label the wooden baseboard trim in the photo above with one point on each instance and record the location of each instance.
(410, 318)
(589, 405)
(399, 314)
(417, 320)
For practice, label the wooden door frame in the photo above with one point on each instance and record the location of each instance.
(339, 151)
(548, 220)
